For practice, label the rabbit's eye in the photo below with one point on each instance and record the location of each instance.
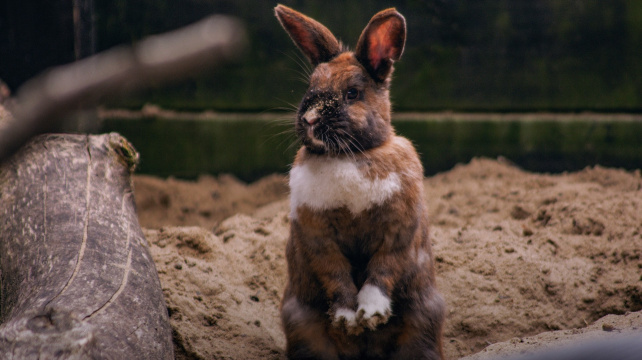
(352, 93)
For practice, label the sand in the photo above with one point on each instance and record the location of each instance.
(525, 261)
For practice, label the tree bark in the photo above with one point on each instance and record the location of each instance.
(77, 280)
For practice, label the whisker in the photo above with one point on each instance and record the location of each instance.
(292, 106)
(288, 132)
(305, 69)
(292, 134)
(288, 118)
(353, 141)
(353, 146)
(292, 145)
(326, 140)
(279, 123)
(303, 63)
(289, 108)
(302, 78)
(347, 148)
(285, 134)
(283, 121)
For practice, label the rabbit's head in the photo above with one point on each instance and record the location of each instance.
(346, 108)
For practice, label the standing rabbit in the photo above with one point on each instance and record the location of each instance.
(361, 275)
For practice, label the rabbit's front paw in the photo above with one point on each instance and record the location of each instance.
(374, 307)
(346, 319)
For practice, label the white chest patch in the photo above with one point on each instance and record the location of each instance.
(325, 183)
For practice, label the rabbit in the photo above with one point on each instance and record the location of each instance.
(361, 278)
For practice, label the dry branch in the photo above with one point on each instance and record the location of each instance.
(77, 279)
(154, 60)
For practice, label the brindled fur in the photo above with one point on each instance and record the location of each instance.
(361, 279)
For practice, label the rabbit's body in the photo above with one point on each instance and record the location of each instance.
(361, 274)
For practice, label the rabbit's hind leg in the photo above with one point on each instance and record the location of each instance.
(306, 332)
(420, 337)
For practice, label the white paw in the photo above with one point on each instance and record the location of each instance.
(344, 317)
(347, 319)
(374, 307)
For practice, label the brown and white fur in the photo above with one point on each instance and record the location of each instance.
(361, 275)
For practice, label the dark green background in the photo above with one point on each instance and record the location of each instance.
(463, 55)
(470, 55)
(250, 148)
(501, 56)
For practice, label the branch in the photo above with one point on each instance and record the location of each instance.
(160, 58)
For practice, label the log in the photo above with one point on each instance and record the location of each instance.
(77, 278)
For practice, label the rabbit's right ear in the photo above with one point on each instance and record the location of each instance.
(314, 39)
(381, 43)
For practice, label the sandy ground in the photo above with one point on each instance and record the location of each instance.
(525, 261)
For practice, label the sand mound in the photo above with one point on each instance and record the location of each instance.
(204, 202)
(517, 254)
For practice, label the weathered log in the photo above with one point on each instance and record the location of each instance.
(77, 278)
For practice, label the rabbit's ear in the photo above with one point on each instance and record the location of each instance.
(381, 43)
(314, 39)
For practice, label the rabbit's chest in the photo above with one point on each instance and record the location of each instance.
(327, 183)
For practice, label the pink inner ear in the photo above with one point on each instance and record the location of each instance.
(307, 43)
(380, 44)
(303, 38)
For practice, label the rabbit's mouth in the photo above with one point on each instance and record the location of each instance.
(317, 139)
(323, 138)
(312, 140)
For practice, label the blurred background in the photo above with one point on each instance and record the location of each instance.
(552, 85)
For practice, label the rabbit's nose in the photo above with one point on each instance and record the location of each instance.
(311, 116)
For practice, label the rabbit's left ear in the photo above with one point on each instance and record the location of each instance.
(381, 43)
(314, 39)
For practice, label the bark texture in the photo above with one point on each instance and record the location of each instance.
(77, 279)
